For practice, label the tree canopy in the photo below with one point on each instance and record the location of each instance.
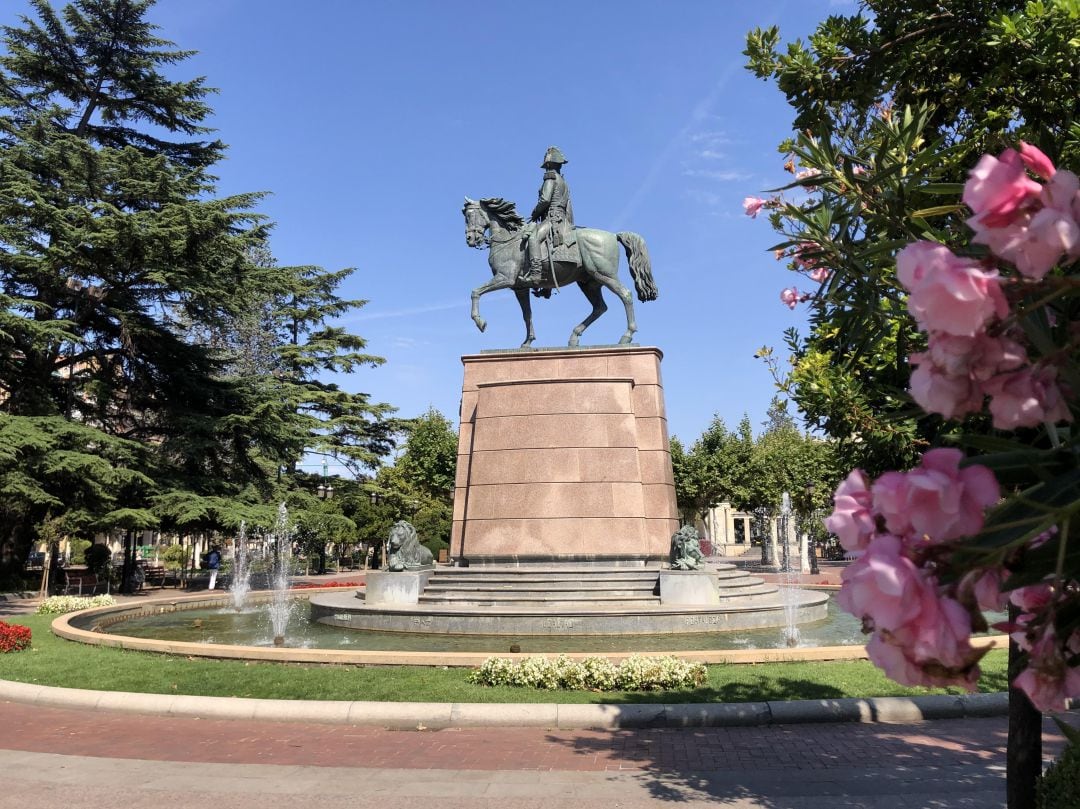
(892, 106)
(114, 253)
(751, 471)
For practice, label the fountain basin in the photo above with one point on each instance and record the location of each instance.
(110, 626)
(346, 611)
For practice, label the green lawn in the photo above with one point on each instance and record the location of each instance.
(52, 661)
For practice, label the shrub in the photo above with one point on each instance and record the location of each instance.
(175, 557)
(58, 605)
(14, 638)
(97, 559)
(636, 673)
(78, 551)
(1059, 786)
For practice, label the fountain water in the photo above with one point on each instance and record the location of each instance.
(241, 574)
(280, 542)
(789, 574)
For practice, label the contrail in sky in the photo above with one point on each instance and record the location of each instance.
(700, 112)
(416, 310)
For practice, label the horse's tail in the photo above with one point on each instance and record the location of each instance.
(637, 256)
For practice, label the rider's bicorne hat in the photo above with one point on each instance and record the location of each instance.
(553, 155)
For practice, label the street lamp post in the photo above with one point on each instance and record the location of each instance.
(325, 490)
(811, 544)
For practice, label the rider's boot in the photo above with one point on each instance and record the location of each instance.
(535, 271)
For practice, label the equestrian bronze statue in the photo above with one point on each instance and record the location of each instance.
(552, 254)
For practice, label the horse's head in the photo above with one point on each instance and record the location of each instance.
(476, 223)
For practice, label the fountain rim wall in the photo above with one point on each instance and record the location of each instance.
(62, 626)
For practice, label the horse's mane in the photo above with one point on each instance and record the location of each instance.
(505, 211)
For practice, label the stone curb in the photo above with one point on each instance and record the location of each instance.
(435, 715)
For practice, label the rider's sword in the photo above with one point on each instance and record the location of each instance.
(551, 258)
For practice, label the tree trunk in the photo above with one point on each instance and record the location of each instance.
(127, 569)
(1023, 757)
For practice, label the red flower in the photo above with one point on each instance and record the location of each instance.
(13, 637)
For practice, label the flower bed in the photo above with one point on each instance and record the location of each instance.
(14, 638)
(311, 585)
(635, 673)
(58, 605)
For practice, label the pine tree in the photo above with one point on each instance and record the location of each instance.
(113, 250)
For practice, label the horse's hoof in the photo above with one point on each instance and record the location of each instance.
(626, 339)
(573, 342)
(481, 324)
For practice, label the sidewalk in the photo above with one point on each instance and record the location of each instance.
(114, 760)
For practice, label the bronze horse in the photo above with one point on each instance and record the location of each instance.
(494, 223)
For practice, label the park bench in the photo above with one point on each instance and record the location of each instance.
(84, 584)
(153, 575)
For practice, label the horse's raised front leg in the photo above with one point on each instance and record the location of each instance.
(496, 283)
(595, 294)
(615, 285)
(526, 315)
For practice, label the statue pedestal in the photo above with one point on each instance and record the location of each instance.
(563, 456)
(688, 587)
(404, 587)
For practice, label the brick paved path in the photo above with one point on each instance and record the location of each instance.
(117, 758)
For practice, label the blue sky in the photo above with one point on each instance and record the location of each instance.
(370, 121)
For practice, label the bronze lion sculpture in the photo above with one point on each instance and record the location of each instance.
(404, 551)
(686, 549)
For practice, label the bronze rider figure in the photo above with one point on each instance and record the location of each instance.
(553, 213)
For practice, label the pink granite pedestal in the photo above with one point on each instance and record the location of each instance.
(563, 456)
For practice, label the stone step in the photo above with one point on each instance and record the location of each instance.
(539, 587)
(546, 577)
(560, 600)
(543, 593)
(537, 594)
(747, 592)
(745, 581)
(529, 572)
(581, 570)
(534, 584)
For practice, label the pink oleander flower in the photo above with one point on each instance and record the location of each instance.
(897, 666)
(911, 665)
(936, 501)
(883, 585)
(941, 393)
(947, 293)
(984, 587)
(1036, 161)
(1043, 538)
(801, 255)
(950, 373)
(979, 357)
(1034, 243)
(1035, 238)
(752, 205)
(806, 174)
(790, 297)
(1026, 398)
(1048, 681)
(851, 520)
(819, 274)
(940, 633)
(998, 188)
(1032, 598)
(780, 255)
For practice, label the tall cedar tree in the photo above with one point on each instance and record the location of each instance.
(111, 245)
